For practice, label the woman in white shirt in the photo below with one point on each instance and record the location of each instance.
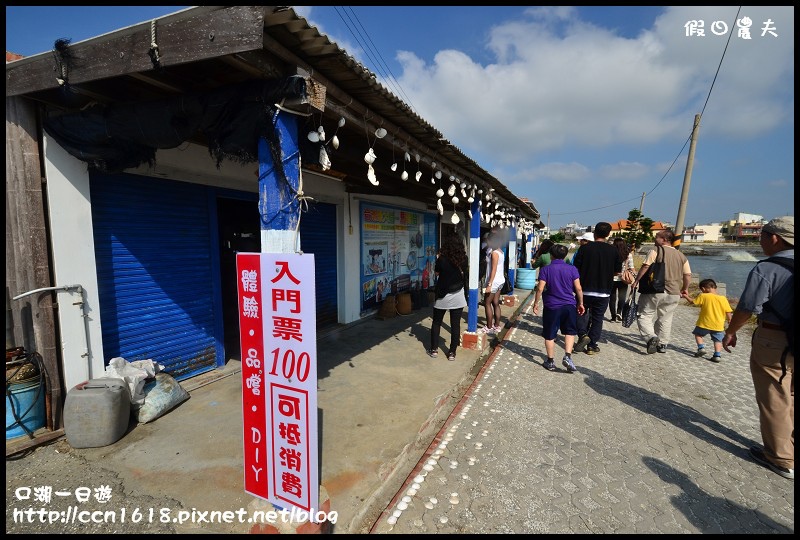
(494, 283)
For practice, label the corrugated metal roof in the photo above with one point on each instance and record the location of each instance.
(206, 47)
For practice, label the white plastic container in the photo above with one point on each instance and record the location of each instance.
(97, 413)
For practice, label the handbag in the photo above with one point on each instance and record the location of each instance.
(629, 309)
(628, 276)
(652, 281)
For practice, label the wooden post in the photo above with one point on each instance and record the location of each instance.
(27, 253)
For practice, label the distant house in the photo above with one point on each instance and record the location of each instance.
(743, 232)
(702, 233)
(622, 224)
(572, 230)
(693, 234)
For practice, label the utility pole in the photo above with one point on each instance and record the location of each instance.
(687, 179)
(641, 204)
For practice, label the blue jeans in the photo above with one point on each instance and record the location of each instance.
(591, 322)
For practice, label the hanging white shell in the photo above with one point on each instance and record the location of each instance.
(341, 121)
(418, 175)
(408, 157)
(451, 190)
(438, 175)
(469, 213)
(440, 193)
(380, 133)
(371, 176)
(321, 131)
(404, 176)
(370, 156)
(393, 167)
(416, 156)
(455, 200)
(440, 207)
(313, 136)
(324, 161)
(471, 200)
(454, 218)
(335, 142)
(463, 193)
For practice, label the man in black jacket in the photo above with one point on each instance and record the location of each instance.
(597, 262)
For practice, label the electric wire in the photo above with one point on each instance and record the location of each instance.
(688, 139)
(373, 53)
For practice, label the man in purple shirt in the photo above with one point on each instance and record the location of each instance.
(560, 286)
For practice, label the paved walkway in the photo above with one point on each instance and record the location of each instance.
(632, 443)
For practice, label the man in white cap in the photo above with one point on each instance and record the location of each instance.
(583, 239)
(769, 294)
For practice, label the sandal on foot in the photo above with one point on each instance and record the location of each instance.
(432, 353)
(451, 356)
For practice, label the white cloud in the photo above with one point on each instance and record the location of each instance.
(624, 171)
(579, 85)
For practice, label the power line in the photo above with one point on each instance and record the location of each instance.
(372, 52)
(688, 139)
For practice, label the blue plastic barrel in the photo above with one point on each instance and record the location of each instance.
(28, 400)
(526, 278)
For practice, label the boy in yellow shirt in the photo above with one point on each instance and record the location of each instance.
(714, 311)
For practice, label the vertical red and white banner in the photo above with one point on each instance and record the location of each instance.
(278, 327)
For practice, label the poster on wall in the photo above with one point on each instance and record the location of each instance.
(398, 252)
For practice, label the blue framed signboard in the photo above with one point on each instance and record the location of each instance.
(398, 252)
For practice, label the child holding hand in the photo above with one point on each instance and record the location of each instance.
(715, 310)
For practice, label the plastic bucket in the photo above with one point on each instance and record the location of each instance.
(526, 278)
(27, 399)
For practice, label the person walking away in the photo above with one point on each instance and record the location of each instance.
(450, 270)
(769, 294)
(494, 283)
(715, 310)
(559, 287)
(583, 239)
(597, 262)
(619, 291)
(657, 309)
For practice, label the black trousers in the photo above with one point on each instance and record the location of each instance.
(455, 328)
(618, 296)
(591, 323)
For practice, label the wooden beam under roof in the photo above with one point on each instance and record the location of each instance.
(206, 35)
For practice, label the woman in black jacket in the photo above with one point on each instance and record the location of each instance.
(450, 270)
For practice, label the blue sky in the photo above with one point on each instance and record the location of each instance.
(580, 109)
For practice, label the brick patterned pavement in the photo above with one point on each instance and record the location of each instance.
(631, 443)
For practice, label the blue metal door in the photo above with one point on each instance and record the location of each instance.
(155, 256)
(318, 236)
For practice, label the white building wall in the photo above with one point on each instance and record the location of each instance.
(73, 241)
(70, 214)
(741, 217)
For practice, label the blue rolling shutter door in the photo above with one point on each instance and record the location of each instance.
(318, 236)
(154, 269)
